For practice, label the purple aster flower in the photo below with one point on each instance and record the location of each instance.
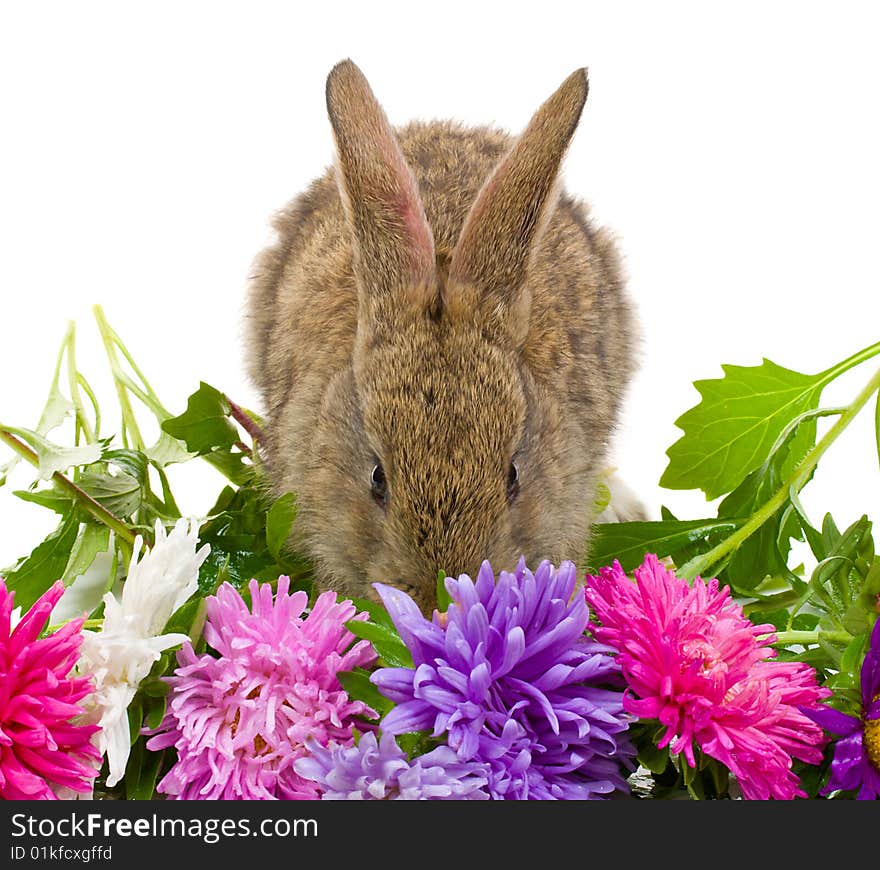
(239, 719)
(856, 761)
(381, 771)
(511, 679)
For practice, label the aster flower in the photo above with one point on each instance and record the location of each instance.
(239, 720)
(122, 653)
(694, 662)
(380, 770)
(856, 761)
(40, 746)
(509, 677)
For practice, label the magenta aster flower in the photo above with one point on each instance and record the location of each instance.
(695, 663)
(856, 761)
(40, 746)
(380, 770)
(240, 719)
(508, 676)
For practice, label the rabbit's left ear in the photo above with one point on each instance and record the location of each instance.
(491, 257)
(393, 244)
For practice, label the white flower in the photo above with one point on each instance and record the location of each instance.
(121, 654)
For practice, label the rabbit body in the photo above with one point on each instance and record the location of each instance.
(441, 339)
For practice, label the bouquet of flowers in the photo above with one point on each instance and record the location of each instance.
(148, 654)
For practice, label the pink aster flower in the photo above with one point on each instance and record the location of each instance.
(694, 662)
(239, 719)
(40, 747)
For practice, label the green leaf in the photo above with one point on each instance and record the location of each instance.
(54, 458)
(142, 771)
(120, 493)
(602, 498)
(732, 430)
(205, 425)
(388, 645)
(33, 575)
(654, 758)
(629, 542)
(145, 787)
(378, 614)
(357, 684)
(56, 409)
(51, 498)
(279, 522)
(168, 450)
(766, 551)
(155, 711)
(443, 597)
(91, 540)
(131, 462)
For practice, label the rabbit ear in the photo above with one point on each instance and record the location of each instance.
(394, 247)
(492, 253)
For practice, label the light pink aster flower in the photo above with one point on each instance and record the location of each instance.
(40, 747)
(238, 721)
(694, 662)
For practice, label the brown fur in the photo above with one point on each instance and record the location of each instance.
(435, 303)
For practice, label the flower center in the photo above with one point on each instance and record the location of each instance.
(871, 739)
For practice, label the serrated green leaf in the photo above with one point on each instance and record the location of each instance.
(120, 493)
(766, 551)
(56, 409)
(53, 457)
(735, 425)
(91, 540)
(279, 522)
(168, 450)
(629, 542)
(37, 572)
(205, 425)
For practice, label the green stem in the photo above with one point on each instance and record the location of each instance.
(807, 638)
(145, 393)
(94, 508)
(699, 564)
(82, 422)
(129, 423)
(850, 362)
(81, 381)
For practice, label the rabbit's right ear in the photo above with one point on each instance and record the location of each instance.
(489, 264)
(393, 244)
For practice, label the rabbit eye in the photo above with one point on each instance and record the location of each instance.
(378, 485)
(512, 482)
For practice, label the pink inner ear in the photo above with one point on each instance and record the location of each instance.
(406, 204)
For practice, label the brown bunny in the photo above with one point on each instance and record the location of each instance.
(441, 339)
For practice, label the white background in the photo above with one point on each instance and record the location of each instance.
(732, 148)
